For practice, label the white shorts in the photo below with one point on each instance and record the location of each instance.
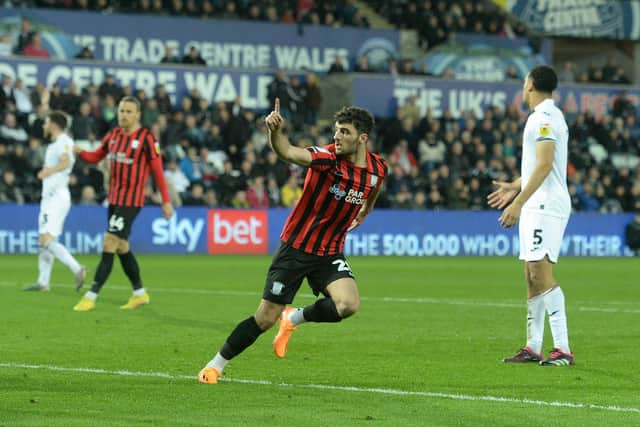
(53, 212)
(540, 235)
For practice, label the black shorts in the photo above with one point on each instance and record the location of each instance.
(290, 266)
(120, 219)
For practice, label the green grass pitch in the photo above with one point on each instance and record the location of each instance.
(424, 350)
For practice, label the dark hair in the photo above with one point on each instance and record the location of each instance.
(360, 118)
(59, 118)
(544, 78)
(133, 100)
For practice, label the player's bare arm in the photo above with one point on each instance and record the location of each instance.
(367, 207)
(544, 162)
(279, 141)
(64, 162)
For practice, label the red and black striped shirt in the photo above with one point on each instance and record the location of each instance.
(131, 157)
(334, 191)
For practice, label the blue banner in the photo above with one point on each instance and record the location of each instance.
(483, 57)
(214, 86)
(458, 96)
(384, 232)
(619, 19)
(222, 43)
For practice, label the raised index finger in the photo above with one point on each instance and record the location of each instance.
(277, 106)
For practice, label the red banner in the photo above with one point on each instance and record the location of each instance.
(237, 232)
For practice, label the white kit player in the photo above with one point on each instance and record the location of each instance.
(542, 204)
(56, 202)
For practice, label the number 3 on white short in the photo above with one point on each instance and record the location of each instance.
(342, 265)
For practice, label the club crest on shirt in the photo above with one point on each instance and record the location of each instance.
(157, 147)
(545, 130)
(337, 192)
(134, 144)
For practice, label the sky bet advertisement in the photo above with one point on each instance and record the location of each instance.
(384, 232)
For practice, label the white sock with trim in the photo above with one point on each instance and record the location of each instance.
(535, 323)
(218, 362)
(297, 316)
(554, 302)
(45, 265)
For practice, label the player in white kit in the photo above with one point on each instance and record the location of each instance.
(542, 204)
(56, 202)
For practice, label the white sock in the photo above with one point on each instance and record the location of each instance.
(296, 316)
(59, 251)
(535, 323)
(91, 295)
(218, 362)
(554, 301)
(139, 292)
(45, 265)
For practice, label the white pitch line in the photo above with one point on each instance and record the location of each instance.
(386, 391)
(417, 300)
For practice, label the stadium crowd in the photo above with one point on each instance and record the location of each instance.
(217, 154)
(319, 12)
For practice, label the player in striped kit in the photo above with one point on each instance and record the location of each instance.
(133, 153)
(342, 183)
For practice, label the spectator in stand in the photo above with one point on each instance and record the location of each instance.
(403, 157)
(313, 99)
(623, 107)
(568, 74)
(35, 49)
(431, 152)
(191, 166)
(291, 191)
(88, 196)
(276, 167)
(176, 179)
(362, 66)
(196, 196)
(169, 56)
(150, 112)
(211, 198)
(11, 133)
(337, 66)
(10, 191)
(273, 192)
(163, 100)
(512, 73)
(5, 46)
(407, 68)
(23, 104)
(110, 87)
(85, 53)
(632, 234)
(83, 124)
(193, 57)
(279, 88)
(257, 196)
(239, 200)
(24, 38)
(620, 77)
